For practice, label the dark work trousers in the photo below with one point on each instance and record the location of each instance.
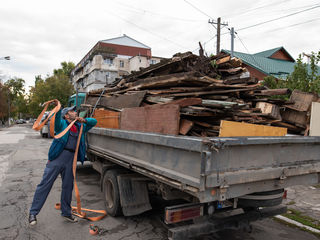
(61, 165)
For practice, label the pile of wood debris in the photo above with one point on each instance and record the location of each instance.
(190, 95)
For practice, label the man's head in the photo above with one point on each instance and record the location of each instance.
(69, 113)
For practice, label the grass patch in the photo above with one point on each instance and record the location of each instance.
(295, 226)
(291, 203)
(317, 186)
(305, 220)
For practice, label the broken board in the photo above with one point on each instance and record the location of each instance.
(107, 119)
(119, 101)
(158, 119)
(239, 129)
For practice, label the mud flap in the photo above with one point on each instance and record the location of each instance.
(134, 196)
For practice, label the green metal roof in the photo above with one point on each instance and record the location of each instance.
(269, 66)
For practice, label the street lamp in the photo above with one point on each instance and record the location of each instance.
(5, 58)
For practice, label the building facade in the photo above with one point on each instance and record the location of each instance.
(110, 59)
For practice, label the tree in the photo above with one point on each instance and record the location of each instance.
(3, 103)
(305, 77)
(66, 68)
(15, 90)
(57, 86)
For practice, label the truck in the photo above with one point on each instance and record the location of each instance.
(208, 184)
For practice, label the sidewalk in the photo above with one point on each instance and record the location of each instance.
(305, 199)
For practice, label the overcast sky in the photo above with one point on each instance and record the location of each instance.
(38, 35)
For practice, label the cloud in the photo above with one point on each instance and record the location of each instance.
(39, 35)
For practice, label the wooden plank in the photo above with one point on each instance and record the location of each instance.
(212, 92)
(119, 101)
(296, 117)
(223, 60)
(185, 102)
(271, 109)
(273, 92)
(107, 119)
(302, 100)
(185, 126)
(158, 118)
(237, 129)
(236, 62)
(315, 119)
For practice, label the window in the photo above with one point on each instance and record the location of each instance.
(108, 61)
(153, 61)
(121, 63)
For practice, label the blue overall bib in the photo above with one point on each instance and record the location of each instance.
(61, 165)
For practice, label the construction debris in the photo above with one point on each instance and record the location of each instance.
(191, 95)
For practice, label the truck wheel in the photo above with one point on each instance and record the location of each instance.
(261, 199)
(111, 193)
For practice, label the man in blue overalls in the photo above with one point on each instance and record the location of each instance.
(61, 155)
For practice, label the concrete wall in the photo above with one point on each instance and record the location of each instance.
(137, 62)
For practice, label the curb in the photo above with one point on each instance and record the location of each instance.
(300, 225)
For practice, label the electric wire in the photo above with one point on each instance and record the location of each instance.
(139, 10)
(278, 18)
(199, 10)
(146, 30)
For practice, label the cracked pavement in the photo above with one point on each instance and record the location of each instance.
(23, 155)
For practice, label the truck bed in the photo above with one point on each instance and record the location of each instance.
(212, 168)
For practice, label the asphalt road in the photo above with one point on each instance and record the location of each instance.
(23, 155)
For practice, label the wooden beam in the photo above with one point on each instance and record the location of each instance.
(237, 129)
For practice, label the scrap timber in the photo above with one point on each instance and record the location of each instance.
(191, 95)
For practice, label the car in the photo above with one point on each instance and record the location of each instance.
(20, 121)
(45, 131)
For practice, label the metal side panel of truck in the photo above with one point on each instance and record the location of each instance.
(212, 169)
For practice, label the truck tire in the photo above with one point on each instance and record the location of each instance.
(111, 193)
(261, 199)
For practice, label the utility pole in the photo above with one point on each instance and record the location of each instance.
(218, 30)
(232, 40)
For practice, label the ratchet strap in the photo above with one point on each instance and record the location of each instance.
(78, 210)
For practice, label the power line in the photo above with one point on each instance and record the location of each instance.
(139, 10)
(199, 10)
(251, 55)
(146, 30)
(296, 24)
(256, 8)
(204, 43)
(275, 19)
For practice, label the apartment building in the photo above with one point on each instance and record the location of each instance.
(110, 59)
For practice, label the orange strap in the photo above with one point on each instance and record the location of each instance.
(78, 211)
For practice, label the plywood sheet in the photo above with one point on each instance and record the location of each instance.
(315, 119)
(238, 129)
(157, 118)
(107, 119)
(119, 101)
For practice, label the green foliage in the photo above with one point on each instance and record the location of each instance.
(57, 86)
(66, 68)
(3, 102)
(305, 77)
(15, 90)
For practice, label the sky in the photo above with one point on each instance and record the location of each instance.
(39, 35)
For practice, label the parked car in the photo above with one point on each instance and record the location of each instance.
(45, 131)
(20, 121)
